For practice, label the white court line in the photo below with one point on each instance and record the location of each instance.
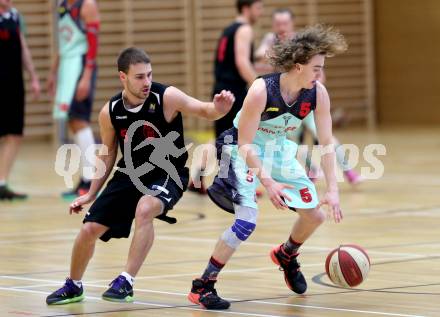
(168, 306)
(188, 239)
(262, 244)
(232, 271)
(92, 283)
(17, 243)
(37, 285)
(184, 294)
(195, 274)
(238, 313)
(213, 241)
(151, 277)
(38, 233)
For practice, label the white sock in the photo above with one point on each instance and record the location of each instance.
(340, 158)
(2, 182)
(77, 283)
(84, 139)
(128, 277)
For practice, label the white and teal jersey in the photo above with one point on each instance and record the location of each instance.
(279, 118)
(72, 40)
(235, 184)
(72, 47)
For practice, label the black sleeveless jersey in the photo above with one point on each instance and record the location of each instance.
(11, 70)
(154, 127)
(226, 71)
(276, 106)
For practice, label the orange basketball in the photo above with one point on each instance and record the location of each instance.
(348, 265)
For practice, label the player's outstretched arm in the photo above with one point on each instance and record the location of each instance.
(181, 102)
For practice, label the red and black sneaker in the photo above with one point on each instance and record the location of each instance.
(204, 294)
(292, 274)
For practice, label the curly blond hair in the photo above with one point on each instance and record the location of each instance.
(311, 41)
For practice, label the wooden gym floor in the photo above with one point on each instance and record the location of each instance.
(396, 218)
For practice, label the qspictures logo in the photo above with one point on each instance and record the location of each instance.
(69, 157)
(275, 157)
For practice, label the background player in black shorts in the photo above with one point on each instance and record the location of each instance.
(144, 112)
(72, 79)
(14, 54)
(233, 68)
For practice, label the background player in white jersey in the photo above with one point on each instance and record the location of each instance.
(73, 76)
(275, 105)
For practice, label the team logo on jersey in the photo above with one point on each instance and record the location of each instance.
(66, 33)
(152, 108)
(272, 109)
(234, 193)
(286, 119)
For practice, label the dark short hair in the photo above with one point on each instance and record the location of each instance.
(283, 10)
(132, 56)
(244, 3)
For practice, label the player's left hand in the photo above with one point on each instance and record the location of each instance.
(223, 101)
(77, 205)
(331, 199)
(83, 89)
(36, 89)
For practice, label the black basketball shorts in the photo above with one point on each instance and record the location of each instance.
(116, 206)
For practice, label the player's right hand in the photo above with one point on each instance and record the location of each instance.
(223, 101)
(78, 203)
(83, 89)
(276, 194)
(331, 198)
(51, 85)
(36, 89)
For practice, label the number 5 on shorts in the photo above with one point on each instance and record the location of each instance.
(305, 195)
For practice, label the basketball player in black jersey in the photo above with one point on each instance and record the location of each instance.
(234, 58)
(14, 54)
(145, 119)
(233, 68)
